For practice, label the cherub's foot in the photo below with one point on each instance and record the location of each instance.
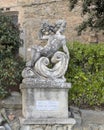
(29, 64)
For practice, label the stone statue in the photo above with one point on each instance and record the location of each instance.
(50, 61)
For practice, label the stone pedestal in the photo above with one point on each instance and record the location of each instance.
(45, 105)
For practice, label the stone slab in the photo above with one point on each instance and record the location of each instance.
(87, 119)
(47, 127)
(50, 121)
(92, 117)
(36, 83)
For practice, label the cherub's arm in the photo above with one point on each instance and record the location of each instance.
(43, 37)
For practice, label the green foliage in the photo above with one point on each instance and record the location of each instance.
(9, 33)
(86, 73)
(10, 72)
(94, 9)
(11, 65)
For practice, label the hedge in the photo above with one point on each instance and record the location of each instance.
(86, 73)
(11, 64)
(10, 72)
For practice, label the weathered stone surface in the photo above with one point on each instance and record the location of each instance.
(45, 105)
(93, 127)
(87, 119)
(44, 93)
(75, 112)
(46, 127)
(49, 55)
(52, 121)
(13, 101)
(92, 117)
(35, 83)
(5, 3)
(43, 1)
(77, 115)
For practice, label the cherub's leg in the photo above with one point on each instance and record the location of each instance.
(35, 57)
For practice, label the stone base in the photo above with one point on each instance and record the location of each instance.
(48, 124)
(45, 105)
(44, 99)
(52, 121)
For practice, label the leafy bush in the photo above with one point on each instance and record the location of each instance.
(10, 73)
(11, 64)
(86, 73)
(93, 10)
(9, 33)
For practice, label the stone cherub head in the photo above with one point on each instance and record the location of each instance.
(49, 29)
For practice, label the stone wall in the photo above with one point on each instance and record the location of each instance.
(87, 119)
(32, 12)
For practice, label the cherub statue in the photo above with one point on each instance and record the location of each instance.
(55, 41)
